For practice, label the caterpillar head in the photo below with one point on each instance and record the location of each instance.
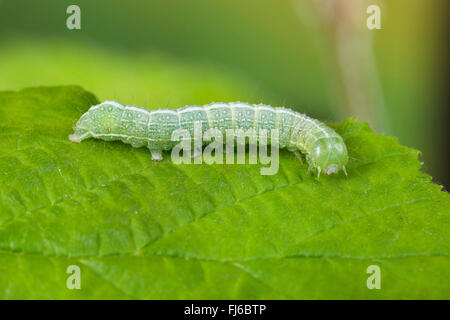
(329, 155)
(99, 120)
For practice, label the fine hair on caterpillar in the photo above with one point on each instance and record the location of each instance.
(263, 125)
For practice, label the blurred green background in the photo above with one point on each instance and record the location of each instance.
(314, 56)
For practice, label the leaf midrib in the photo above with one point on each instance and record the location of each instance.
(199, 258)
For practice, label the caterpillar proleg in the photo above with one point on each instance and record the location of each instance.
(323, 148)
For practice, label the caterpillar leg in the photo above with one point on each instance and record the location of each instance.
(319, 170)
(298, 155)
(156, 155)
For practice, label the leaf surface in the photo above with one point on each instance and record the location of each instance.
(156, 230)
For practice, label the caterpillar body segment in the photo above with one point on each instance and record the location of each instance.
(323, 148)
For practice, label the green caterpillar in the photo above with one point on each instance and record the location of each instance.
(324, 149)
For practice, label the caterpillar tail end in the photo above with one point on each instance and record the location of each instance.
(79, 136)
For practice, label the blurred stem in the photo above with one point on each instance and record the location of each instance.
(349, 49)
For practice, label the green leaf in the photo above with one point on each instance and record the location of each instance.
(155, 230)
